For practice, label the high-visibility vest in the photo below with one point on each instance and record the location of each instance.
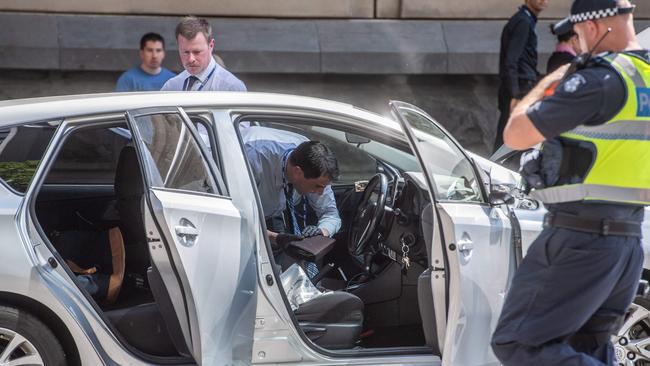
(620, 169)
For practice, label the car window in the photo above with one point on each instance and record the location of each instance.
(453, 175)
(354, 163)
(89, 156)
(21, 149)
(173, 156)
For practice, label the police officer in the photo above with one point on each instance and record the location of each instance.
(593, 173)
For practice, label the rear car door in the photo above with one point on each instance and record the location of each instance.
(208, 274)
(477, 238)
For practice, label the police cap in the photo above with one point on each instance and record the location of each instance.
(562, 27)
(583, 10)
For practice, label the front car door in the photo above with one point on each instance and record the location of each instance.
(477, 239)
(204, 251)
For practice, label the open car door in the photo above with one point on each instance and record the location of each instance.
(200, 275)
(476, 240)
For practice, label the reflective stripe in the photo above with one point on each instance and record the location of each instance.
(579, 192)
(619, 130)
(629, 68)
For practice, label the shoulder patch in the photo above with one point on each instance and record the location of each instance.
(574, 82)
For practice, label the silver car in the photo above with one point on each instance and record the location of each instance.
(133, 235)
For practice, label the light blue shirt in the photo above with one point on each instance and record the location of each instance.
(219, 80)
(265, 148)
(136, 79)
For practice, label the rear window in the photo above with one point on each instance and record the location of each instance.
(21, 150)
(89, 156)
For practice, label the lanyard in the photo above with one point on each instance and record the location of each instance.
(202, 84)
(285, 185)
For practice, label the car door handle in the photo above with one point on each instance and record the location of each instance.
(186, 231)
(465, 246)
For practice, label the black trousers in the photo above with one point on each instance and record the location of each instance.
(525, 86)
(567, 299)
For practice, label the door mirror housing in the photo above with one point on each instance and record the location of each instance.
(500, 197)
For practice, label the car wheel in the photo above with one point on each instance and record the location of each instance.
(632, 341)
(25, 340)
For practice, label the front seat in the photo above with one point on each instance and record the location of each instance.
(333, 320)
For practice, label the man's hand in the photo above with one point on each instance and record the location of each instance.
(311, 230)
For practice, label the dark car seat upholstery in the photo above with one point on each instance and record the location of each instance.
(333, 320)
(129, 191)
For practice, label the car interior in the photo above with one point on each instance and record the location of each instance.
(375, 277)
(366, 262)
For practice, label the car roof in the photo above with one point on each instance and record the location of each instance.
(52, 108)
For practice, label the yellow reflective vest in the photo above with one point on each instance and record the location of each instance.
(620, 169)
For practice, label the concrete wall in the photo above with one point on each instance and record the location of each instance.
(465, 105)
(414, 9)
(247, 8)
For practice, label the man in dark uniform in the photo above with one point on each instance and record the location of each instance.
(581, 274)
(517, 60)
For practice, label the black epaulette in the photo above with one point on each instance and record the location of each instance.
(601, 59)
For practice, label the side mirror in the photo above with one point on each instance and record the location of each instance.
(499, 197)
(356, 139)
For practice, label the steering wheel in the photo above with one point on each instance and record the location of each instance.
(368, 214)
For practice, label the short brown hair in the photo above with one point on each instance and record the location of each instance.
(190, 26)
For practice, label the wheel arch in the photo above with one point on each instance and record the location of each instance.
(49, 318)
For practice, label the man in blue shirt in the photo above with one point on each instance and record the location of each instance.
(202, 72)
(149, 75)
(290, 169)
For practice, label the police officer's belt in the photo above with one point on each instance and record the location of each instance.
(595, 226)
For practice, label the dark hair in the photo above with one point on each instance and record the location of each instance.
(190, 26)
(316, 160)
(151, 37)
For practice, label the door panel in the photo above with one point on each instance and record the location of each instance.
(205, 232)
(480, 259)
(206, 272)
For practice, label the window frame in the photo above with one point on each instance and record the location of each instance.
(56, 123)
(210, 163)
(463, 154)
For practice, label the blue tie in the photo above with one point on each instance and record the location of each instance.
(310, 267)
(292, 209)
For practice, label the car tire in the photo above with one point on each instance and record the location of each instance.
(635, 332)
(24, 338)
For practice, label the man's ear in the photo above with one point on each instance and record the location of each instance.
(299, 171)
(211, 45)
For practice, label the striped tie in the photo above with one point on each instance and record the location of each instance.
(310, 267)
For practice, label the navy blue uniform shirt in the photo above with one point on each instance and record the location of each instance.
(518, 56)
(590, 96)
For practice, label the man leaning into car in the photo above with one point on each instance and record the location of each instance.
(580, 275)
(291, 174)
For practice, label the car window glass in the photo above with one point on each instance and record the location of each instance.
(354, 163)
(453, 176)
(173, 157)
(21, 149)
(89, 156)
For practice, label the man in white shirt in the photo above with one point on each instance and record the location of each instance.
(202, 73)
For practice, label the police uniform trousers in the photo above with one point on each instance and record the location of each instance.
(568, 296)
